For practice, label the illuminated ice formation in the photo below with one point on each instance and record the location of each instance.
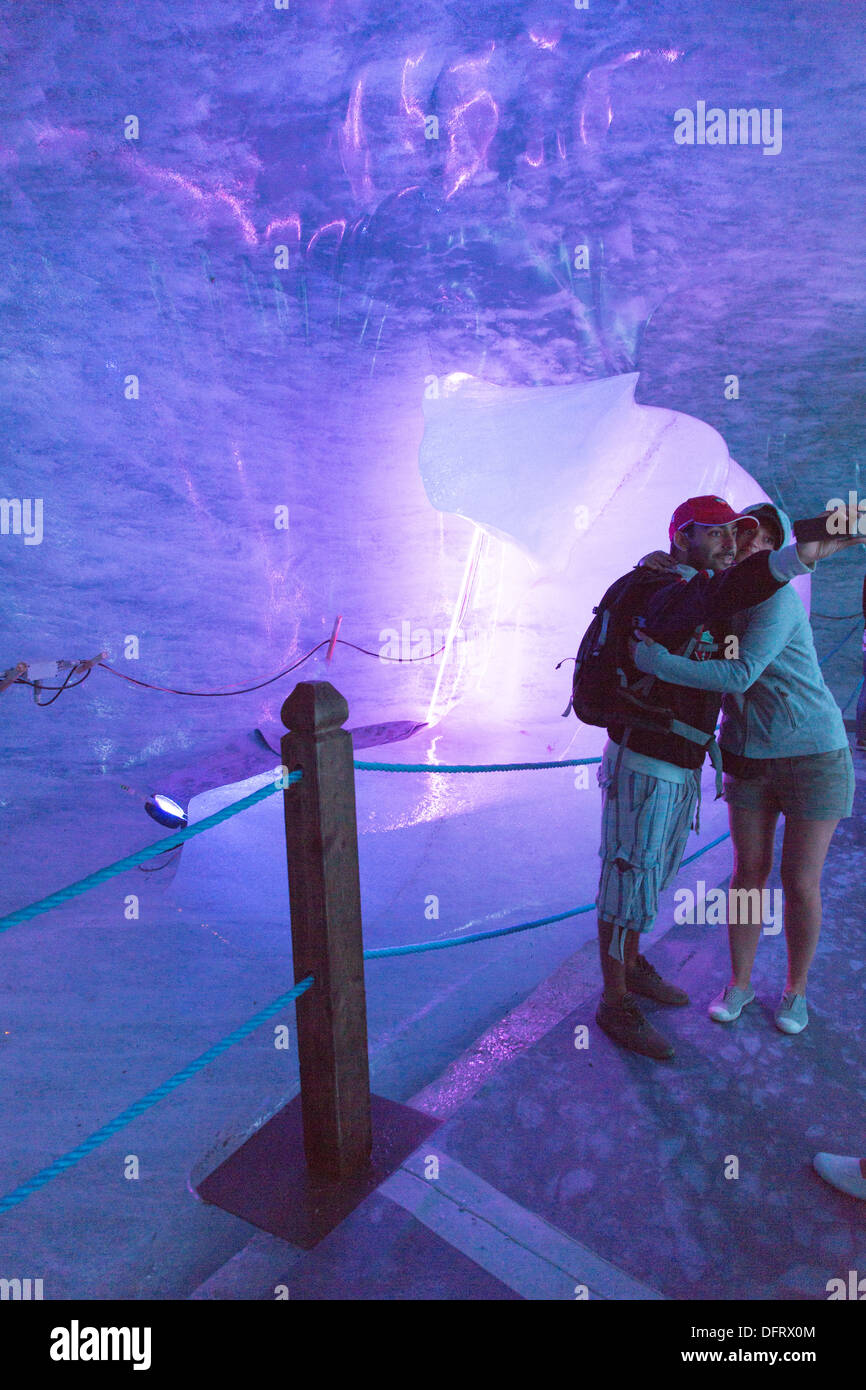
(565, 487)
(568, 486)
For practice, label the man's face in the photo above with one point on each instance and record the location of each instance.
(749, 542)
(710, 547)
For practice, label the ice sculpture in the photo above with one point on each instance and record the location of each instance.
(566, 487)
(575, 483)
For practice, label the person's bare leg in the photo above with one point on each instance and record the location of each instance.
(804, 850)
(632, 944)
(753, 834)
(613, 971)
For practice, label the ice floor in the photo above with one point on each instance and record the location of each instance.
(89, 1030)
(533, 1130)
(599, 1174)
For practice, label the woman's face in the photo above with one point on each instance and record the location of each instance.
(750, 542)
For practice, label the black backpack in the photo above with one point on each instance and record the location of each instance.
(607, 688)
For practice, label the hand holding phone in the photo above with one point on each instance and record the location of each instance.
(815, 542)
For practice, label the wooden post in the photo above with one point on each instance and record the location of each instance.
(317, 1158)
(325, 903)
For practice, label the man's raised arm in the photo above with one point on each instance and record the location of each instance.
(683, 604)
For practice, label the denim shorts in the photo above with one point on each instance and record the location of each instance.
(819, 786)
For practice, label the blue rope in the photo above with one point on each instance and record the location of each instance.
(523, 767)
(68, 1160)
(698, 852)
(418, 946)
(470, 767)
(839, 645)
(854, 693)
(179, 836)
(63, 894)
(93, 1141)
(100, 1136)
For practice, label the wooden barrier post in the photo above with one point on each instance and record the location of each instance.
(325, 904)
(315, 1160)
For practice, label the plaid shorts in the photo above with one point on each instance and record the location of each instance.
(644, 830)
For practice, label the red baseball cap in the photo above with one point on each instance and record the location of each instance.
(708, 511)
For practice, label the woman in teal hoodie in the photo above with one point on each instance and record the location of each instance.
(785, 752)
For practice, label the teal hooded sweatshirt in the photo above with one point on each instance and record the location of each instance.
(776, 703)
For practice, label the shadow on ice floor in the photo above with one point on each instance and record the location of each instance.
(598, 1168)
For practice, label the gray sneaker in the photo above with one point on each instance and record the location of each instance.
(792, 1014)
(844, 1173)
(626, 1025)
(730, 1003)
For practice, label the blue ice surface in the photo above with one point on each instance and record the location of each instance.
(173, 395)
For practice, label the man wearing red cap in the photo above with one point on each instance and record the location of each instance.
(650, 778)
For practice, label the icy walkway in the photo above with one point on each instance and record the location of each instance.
(97, 1009)
(602, 1169)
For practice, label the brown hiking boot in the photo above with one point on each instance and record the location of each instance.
(643, 978)
(626, 1025)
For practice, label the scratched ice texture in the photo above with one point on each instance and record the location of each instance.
(434, 283)
(305, 378)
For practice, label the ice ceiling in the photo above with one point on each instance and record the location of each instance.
(252, 252)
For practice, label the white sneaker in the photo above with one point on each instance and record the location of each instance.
(730, 1003)
(843, 1173)
(792, 1014)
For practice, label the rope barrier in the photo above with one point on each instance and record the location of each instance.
(179, 836)
(523, 767)
(419, 946)
(854, 693)
(100, 1136)
(176, 839)
(839, 645)
(68, 1160)
(216, 694)
(703, 849)
(121, 865)
(469, 767)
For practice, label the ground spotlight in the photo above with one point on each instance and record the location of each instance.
(165, 811)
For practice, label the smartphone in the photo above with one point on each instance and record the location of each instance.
(813, 528)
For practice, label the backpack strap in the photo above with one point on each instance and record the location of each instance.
(709, 743)
(687, 731)
(612, 790)
(567, 711)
